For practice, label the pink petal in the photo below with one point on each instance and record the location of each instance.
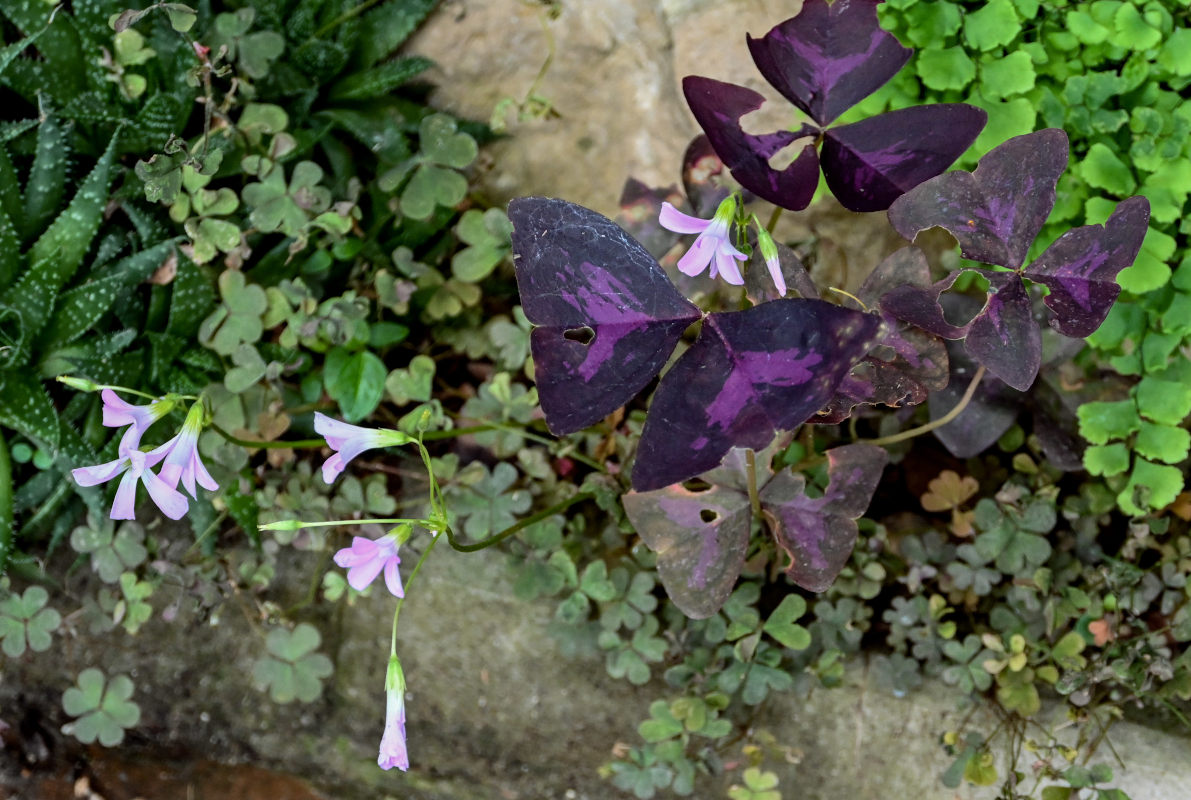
(698, 257)
(775, 272)
(393, 577)
(727, 265)
(100, 473)
(674, 220)
(124, 506)
(332, 467)
(204, 478)
(169, 500)
(116, 411)
(362, 574)
(362, 550)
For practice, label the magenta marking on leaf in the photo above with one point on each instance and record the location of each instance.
(718, 108)
(829, 57)
(1081, 266)
(780, 368)
(578, 269)
(996, 211)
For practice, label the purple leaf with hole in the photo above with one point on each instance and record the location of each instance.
(718, 107)
(750, 373)
(871, 163)
(996, 211)
(829, 57)
(700, 537)
(704, 177)
(906, 363)
(1080, 268)
(819, 533)
(608, 316)
(640, 206)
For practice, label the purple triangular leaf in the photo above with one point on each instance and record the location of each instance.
(700, 539)
(758, 283)
(919, 306)
(750, 373)
(829, 57)
(819, 533)
(871, 163)
(995, 212)
(1004, 336)
(608, 316)
(640, 206)
(703, 176)
(993, 408)
(1080, 268)
(718, 107)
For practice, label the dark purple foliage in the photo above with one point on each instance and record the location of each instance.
(607, 315)
(829, 57)
(703, 177)
(825, 60)
(701, 537)
(818, 533)
(993, 408)
(640, 206)
(906, 363)
(995, 212)
(750, 373)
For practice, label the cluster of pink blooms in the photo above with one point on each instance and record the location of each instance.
(179, 458)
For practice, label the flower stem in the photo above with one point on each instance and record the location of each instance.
(401, 600)
(279, 444)
(938, 423)
(518, 526)
(750, 464)
(773, 218)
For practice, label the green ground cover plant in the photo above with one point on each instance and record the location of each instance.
(246, 213)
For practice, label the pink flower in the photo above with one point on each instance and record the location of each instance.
(134, 465)
(348, 441)
(393, 751)
(366, 558)
(712, 245)
(182, 460)
(118, 412)
(768, 250)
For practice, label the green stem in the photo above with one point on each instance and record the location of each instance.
(280, 444)
(401, 600)
(6, 529)
(938, 423)
(425, 523)
(750, 464)
(773, 218)
(518, 526)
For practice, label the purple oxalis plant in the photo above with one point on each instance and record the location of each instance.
(995, 213)
(825, 60)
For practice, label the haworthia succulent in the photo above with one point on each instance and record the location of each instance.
(47, 178)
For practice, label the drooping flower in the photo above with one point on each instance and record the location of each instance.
(712, 245)
(348, 441)
(118, 412)
(768, 250)
(366, 558)
(135, 466)
(393, 751)
(182, 460)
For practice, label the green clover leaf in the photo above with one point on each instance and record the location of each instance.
(412, 384)
(112, 551)
(291, 670)
(24, 620)
(488, 235)
(131, 609)
(103, 712)
(781, 626)
(483, 501)
(500, 401)
(238, 318)
(354, 380)
(758, 785)
(278, 207)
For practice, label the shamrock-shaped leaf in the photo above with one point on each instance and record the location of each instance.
(291, 670)
(278, 207)
(483, 501)
(631, 658)
(355, 380)
(1009, 539)
(24, 620)
(444, 150)
(500, 401)
(112, 551)
(949, 491)
(131, 609)
(255, 52)
(238, 318)
(487, 236)
(412, 384)
(662, 723)
(968, 672)
(825, 60)
(758, 785)
(781, 626)
(995, 213)
(103, 711)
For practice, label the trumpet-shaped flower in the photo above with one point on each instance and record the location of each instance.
(712, 246)
(118, 412)
(182, 460)
(348, 441)
(135, 466)
(366, 558)
(393, 751)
